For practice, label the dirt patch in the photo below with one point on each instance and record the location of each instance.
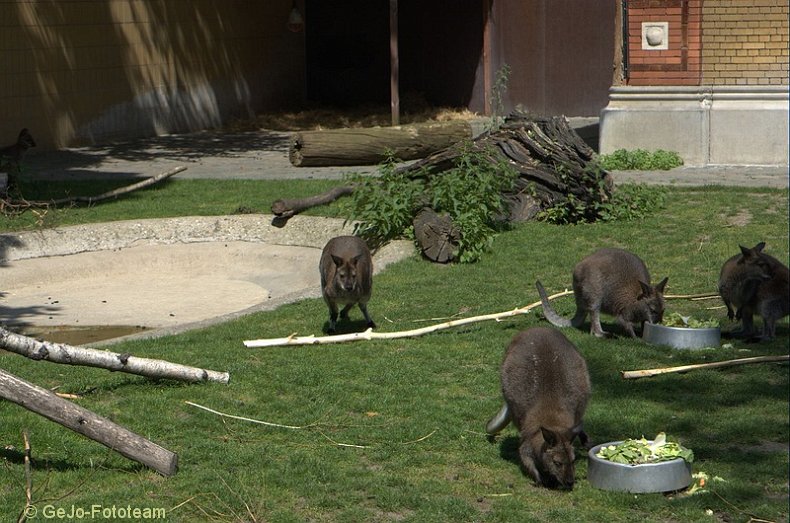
(742, 219)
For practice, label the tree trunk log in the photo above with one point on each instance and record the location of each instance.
(66, 354)
(369, 146)
(85, 422)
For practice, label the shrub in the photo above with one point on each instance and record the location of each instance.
(640, 160)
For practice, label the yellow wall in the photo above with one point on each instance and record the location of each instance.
(745, 42)
(78, 71)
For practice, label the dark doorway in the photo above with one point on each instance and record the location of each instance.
(347, 51)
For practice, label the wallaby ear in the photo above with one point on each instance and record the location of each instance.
(550, 437)
(647, 290)
(662, 284)
(759, 247)
(356, 259)
(338, 260)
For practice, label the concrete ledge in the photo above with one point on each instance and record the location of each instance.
(706, 125)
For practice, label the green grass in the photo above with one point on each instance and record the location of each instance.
(419, 406)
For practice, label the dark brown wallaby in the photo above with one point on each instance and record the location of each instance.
(11, 157)
(346, 277)
(613, 281)
(546, 387)
(755, 282)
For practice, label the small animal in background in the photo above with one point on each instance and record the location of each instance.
(11, 157)
(346, 277)
(754, 282)
(546, 388)
(613, 281)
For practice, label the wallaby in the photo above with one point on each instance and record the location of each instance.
(546, 387)
(346, 277)
(613, 281)
(11, 157)
(755, 282)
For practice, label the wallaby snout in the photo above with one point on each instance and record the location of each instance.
(346, 269)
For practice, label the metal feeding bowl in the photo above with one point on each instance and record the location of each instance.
(681, 337)
(663, 476)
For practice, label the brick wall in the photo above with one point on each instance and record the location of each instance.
(680, 63)
(745, 42)
(74, 71)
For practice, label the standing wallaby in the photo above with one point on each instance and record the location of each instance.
(11, 157)
(546, 387)
(346, 277)
(755, 282)
(615, 282)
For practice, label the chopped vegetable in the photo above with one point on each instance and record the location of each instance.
(675, 319)
(640, 451)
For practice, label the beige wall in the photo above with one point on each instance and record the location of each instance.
(78, 71)
(745, 42)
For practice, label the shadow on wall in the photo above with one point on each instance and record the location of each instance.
(88, 71)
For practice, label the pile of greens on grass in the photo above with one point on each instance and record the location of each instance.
(675, 319)
(641, 451)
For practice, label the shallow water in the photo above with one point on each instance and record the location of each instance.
(82, 335)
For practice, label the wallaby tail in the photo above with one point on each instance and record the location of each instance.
(548, 310)
(498, 422)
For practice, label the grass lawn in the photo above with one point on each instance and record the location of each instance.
(396, 427)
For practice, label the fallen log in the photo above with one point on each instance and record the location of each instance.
(66, 354)
(83, 421)
(635, 374)
(371, 145)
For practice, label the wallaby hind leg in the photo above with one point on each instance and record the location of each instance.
(578, 319)
(595, 324)
(332, 317)
(364, 308)
(344, 312)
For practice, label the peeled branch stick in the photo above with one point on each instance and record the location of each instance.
(370, 335)
(66, 354)
(703, 296)
(634, 374)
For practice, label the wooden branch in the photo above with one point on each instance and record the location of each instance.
(370, 335)
(635, 374)
(104, 196)
(66, 354)
(289, 208)
(81, 420)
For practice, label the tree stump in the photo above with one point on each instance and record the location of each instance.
(369, 146)
(437, 236)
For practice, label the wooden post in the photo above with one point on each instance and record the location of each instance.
(394, 64)
(81, 420)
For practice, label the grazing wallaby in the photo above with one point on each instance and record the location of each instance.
(546, 387)
(346, 277)
(11, 157)
(615, 282)
(755, 282)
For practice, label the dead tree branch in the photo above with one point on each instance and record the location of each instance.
(66, 354)
(635, 374)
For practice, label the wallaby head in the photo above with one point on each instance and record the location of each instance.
(546, 387)
(346, 269)
(612, 281)
(346, 272)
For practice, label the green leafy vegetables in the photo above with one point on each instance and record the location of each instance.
(641, 451)
(675, 319)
